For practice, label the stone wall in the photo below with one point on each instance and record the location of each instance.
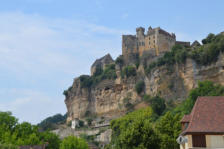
(156, 40)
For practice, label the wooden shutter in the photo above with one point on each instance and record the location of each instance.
(199, 140)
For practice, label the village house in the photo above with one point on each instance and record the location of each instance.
(204, 126)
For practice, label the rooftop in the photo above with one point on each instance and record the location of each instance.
(207, 116)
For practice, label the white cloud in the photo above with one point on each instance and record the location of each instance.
(32, 106)
(45, 54)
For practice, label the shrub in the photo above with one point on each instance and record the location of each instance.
(119, 60)
(81, 123)
(73, 142)
(139, 87)
(89, 121)
(66, 91)
(86, 81)
(208, 39)
(158, 105)
(129, 71)
(134, 131)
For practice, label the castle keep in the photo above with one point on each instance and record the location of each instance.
(155, 42)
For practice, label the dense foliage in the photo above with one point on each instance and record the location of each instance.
(108, 73)
(139, 87)
(120, 60)
(157, 103)
(128, 71)
(209, 52)
(169, 129)
(73, 142)
(51, 122)
(14, 134)
(132, 130)
(205, 88)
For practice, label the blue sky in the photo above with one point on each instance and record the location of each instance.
(45, 44)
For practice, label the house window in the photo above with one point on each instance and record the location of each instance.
(198, 140)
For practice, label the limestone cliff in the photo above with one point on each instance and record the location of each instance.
(109, 97)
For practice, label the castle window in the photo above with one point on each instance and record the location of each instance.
(143, 43)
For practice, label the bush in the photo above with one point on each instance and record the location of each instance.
(129, 71)
(73, 142)
(119, 60)
(89, 121)
(134, 131)
(81, 123)
(208, 39)
(86, 81)
(158, 105)
(66, 91)
(50, 122)
(139, 87)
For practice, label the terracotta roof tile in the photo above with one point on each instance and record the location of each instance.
(186, 118)
(207, 116)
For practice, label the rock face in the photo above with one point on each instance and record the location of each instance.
(108, 98)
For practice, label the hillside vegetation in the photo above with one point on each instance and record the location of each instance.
(147, 129)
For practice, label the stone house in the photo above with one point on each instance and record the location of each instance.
(203, 128)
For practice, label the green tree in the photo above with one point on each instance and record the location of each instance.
(139, 87)
(134, 131)
(129, 71)
(158, 105)
(52, 140)
(169, 129)
(73, 142)
(208, 39)
(205, 88)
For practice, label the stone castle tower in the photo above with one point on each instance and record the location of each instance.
(155, 42)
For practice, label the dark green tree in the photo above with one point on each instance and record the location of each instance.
(169, 129)
(73, 142)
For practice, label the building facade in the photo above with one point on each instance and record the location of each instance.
(204, 127)
(156, 42)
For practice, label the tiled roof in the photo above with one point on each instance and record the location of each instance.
(207, 116)
(186, 118)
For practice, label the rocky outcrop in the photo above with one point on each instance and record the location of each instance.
(108, 98)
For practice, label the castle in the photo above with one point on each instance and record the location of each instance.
(156, 42)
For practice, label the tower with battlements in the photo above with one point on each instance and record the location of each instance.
(155, 42)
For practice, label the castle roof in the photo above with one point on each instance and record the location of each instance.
(195, 44)
(103, 60)
(207, 116)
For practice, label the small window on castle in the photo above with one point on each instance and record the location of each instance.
(143, 43)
